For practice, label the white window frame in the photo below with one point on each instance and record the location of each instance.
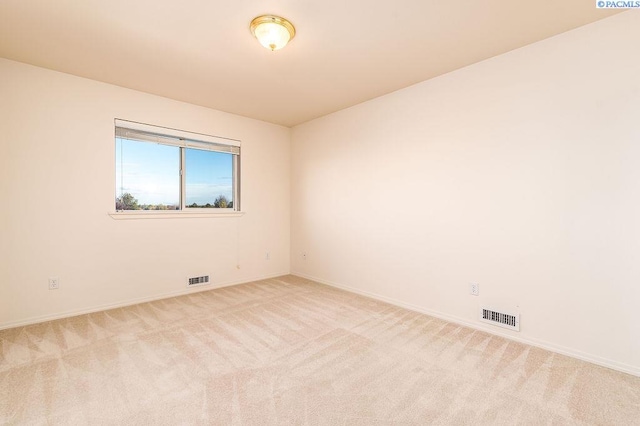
(182, 139)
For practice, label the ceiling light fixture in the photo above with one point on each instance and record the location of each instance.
(273, 32)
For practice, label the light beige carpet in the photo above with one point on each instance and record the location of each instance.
(291, 351)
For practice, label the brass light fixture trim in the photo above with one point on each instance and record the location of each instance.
(270, 20)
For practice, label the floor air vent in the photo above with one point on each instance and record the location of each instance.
(501, 319)
(198, 280)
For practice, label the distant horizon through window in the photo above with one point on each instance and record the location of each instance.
(209, 175)
(149, 172)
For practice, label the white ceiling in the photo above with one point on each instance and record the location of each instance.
(345, 51)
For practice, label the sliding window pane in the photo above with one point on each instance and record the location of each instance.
(147, 176)
(209, 179)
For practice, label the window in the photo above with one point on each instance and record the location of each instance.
(166, 169)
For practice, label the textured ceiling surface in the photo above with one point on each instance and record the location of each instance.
(344, 52)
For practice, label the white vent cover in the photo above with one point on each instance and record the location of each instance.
(202, 280)
(501, 319)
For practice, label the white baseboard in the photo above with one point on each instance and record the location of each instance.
(573, 353)
(129, 302)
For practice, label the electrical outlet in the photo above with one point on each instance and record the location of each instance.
(54, 284)
(304, 255)
(474, 289)
(267, 256)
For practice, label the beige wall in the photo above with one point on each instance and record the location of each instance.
(57, 172)
(521, 173)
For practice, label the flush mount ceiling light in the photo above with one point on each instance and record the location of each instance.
(273, 32)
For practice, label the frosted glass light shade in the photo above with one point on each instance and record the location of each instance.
(273, 32)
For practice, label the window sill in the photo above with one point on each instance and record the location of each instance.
(128, 215)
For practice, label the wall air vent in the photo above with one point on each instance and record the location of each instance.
(194, 281)
(501, 319)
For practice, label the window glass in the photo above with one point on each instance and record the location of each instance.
(159, 168)
(147, 176)
(208, 179)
